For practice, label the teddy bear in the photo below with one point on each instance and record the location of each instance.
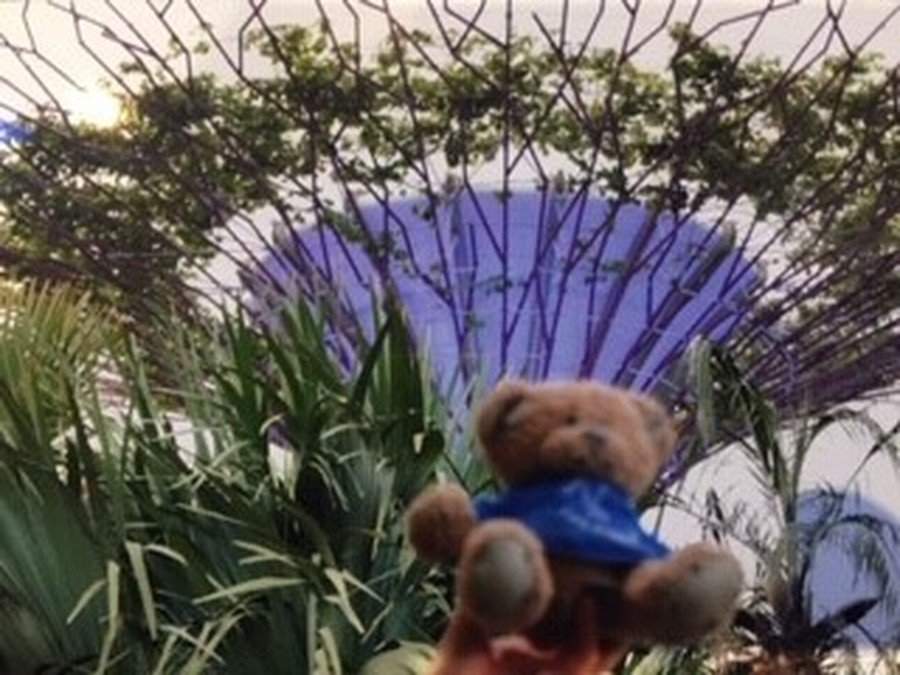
(557, 561)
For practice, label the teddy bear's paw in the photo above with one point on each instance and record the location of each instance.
(504, 581)
(439, 521)
(681, 599)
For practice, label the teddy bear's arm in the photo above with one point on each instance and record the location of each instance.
(438, 522)
(680, 599)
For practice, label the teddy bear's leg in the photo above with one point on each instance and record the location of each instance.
(682, 598)
(438, 521)
(504, 581)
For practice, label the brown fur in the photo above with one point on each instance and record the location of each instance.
(438, 523)
(529, 432)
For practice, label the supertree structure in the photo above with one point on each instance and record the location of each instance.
(541, 201)
(537, 284)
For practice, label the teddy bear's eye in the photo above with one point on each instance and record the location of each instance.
(572, 420)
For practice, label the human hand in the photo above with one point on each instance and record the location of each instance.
(465, 651)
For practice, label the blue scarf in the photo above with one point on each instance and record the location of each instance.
(583, 518)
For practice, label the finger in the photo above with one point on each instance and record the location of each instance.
(518, 646)
(607, 658)
(590, 653)
(470, 664)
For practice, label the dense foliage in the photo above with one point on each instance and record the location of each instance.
(802, 535)
(194, 157)
(250, 520)
(247, 522)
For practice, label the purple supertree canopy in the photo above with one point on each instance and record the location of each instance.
(539, 283)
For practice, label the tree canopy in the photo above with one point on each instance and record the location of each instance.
(797, 162)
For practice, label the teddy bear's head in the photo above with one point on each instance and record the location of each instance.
(531, 432)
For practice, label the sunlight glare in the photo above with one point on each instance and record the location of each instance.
(96, 107)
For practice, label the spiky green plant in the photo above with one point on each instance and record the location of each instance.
(779, 623)
(667, 661)
(50, 336)
(52, 341)
(254, 527)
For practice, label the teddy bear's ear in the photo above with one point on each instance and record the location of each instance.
(503, 408)
(658, 423)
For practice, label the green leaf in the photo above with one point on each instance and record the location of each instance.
(89, 594)
(701, 376)
(253, 586)
(136, 557)
(342, 599)
(113, 617)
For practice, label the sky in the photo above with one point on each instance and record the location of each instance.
(52, 31)
(53, 36)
